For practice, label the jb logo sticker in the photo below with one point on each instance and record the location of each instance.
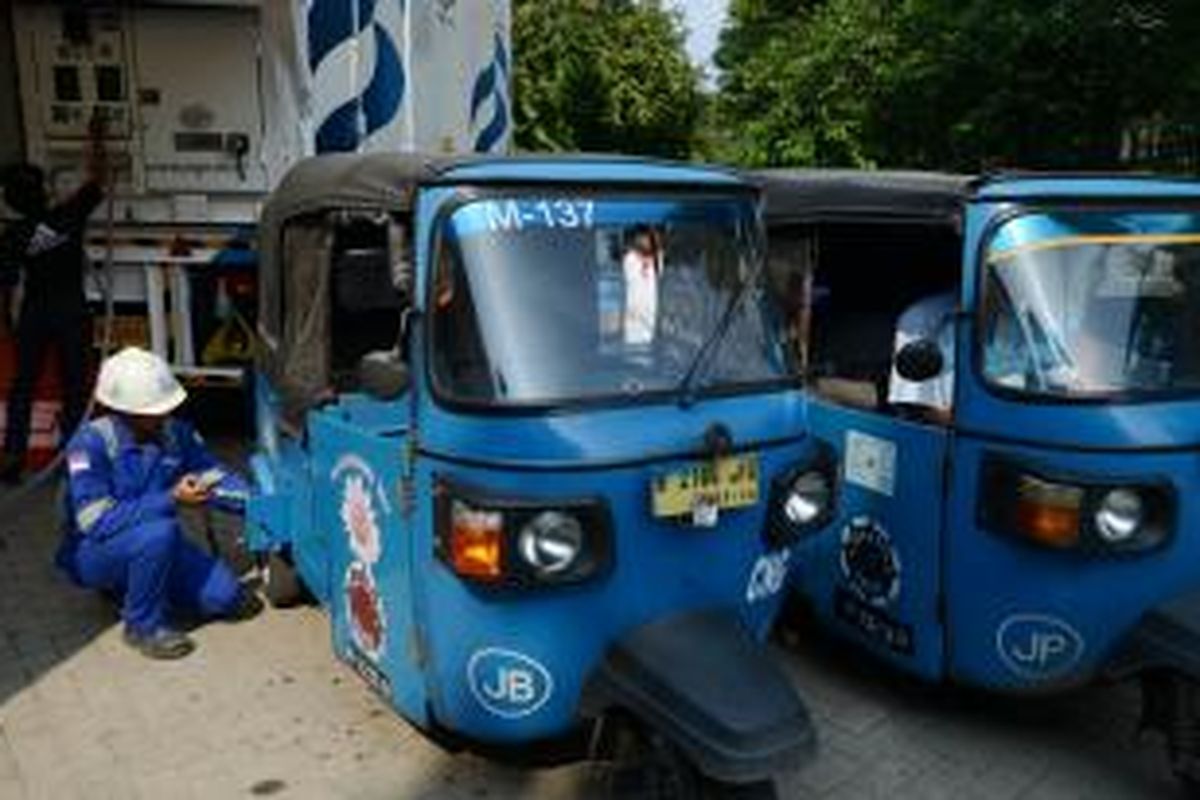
(508, 684)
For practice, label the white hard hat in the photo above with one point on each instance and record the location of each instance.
(135, 381)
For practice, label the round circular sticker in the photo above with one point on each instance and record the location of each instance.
(869, 561)
(508, 684)
(1039, 647)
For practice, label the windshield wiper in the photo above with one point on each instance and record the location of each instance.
(687, 384)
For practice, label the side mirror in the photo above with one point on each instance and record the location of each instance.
(920, 361)
(383, 375)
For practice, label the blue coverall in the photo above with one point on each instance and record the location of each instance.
(122, 532)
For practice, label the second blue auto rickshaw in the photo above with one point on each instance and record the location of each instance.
(1005, 380)
(527, 429)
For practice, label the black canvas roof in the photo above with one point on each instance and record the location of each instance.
(805, 195)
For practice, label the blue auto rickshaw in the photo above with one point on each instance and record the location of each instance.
(525, 428)
(1013, 480)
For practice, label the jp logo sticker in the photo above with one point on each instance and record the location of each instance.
(768, 575)
(870, 563)
(1039, 646)
(368, 626)
(508, 684)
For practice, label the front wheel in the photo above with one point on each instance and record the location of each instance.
(1171, 705)
(645, 766)
(280, 583)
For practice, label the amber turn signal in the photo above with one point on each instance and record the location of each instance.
(1049, 513)
(476, 542)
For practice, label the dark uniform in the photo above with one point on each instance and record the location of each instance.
(46, 250)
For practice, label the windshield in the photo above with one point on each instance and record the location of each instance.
(556, 299)
(1091, 304)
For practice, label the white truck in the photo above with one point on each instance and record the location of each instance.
(208, 103)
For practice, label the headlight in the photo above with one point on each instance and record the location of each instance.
(802, 500)
(1071, 513)
(807, 498)
(503, 543)
(1120, 516)
(551, 542)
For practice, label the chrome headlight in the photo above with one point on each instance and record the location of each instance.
(803, 500)
(1120, 515)
(808, 498)
(551, 543)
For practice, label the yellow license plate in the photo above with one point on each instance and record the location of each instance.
(724, 483)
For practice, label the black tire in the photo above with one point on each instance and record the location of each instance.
(647, 767)
(280, 583)
(715, 790)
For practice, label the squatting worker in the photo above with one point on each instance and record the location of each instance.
(45, 249)
(128, 472)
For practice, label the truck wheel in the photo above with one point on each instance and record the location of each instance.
(280, 583)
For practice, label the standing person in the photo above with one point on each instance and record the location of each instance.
(642, 266)
(45, 250)
(128, 472)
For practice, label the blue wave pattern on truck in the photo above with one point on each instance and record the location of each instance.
(332, 23)
(492, 82)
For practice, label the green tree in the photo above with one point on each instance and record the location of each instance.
(963, 84)
(603, 75)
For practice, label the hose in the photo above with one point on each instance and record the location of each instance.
(14, 496)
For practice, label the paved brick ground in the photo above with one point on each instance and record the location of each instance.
(262, 709)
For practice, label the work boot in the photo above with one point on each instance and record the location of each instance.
(248, 606)
(163, 644)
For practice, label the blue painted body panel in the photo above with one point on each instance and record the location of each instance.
(908, 519)
(659, 568)
(992, 578)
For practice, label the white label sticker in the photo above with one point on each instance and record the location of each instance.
(705, 514)
(871, 462)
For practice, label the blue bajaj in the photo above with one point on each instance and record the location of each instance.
(1005, 376)
(523, 431)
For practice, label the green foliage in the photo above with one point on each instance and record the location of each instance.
(960, 84)
(603, 75)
